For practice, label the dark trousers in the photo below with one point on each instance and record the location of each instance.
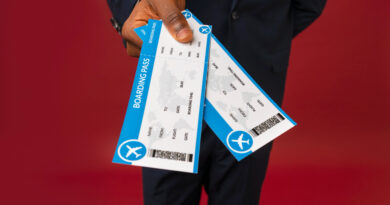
(226, 181)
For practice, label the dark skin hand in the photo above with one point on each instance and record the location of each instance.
(167, 10)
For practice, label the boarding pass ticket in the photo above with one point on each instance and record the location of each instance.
(237, 109)
(163, 120)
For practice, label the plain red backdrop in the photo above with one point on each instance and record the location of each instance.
(65, 81)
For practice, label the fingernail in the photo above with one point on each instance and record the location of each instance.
(184, 34)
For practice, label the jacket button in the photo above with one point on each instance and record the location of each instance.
(235, 15)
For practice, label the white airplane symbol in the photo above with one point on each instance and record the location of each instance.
(205, 29)
(239, 141)
(133, 151)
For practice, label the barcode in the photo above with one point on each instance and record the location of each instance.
(179, 156)
(266, 125)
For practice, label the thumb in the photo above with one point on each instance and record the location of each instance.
(175, 22)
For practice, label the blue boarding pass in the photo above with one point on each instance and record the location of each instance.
(237, 109)
(162, 126)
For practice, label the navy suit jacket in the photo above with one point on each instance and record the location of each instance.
(257, 33)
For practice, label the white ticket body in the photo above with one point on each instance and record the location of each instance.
(237, 109)
(163, 120)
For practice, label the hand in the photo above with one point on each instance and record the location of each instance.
(167, 10)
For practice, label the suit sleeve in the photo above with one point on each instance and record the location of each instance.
(305, 12)
(121, 9)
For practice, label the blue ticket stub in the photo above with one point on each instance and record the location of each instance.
(162, 126)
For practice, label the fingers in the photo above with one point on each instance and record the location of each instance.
(132, 50)
(175, 22)
(133, 41)
(167, 10)
(129, 34)
(138, 17)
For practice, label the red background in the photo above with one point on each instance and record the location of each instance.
(65, 82)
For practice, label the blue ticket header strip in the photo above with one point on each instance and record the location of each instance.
(136, 106)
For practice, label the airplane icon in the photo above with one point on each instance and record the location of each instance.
(239, 141)
(204, 29)
(133, 150)
(187, 15)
